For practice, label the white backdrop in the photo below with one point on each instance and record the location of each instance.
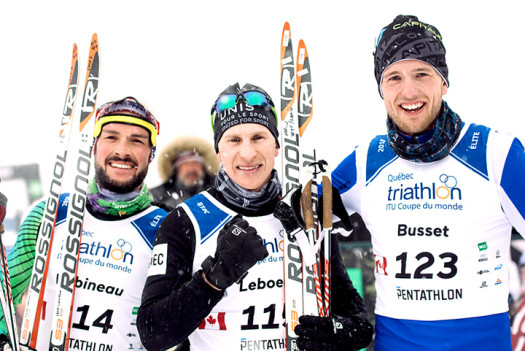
(177, 56)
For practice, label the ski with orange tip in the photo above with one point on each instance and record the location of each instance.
(35, 294)
(71, 239)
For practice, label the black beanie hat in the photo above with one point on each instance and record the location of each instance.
(408, 38)
(243, 113)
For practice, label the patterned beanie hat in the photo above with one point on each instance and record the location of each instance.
(408, 38)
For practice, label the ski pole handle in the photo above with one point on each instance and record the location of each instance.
(306, 202)
(327, 202)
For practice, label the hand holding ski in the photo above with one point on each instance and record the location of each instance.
(8, 347)
(329, 333)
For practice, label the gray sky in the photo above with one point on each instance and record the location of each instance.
(177, 58)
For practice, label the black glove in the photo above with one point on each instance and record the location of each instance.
(239, 247)
(6, 346)
(3, 341)
(333, 333)
(288, 212)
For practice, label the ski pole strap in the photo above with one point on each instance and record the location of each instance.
(293, 226)
(306, 249)
(295, 232)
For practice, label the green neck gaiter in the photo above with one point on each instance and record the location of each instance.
(111, 203)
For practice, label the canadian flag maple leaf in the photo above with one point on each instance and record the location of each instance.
(216, 321)
(211, 320)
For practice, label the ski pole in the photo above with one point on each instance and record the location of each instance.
(327, 231)
(311, 231)
(7, 296)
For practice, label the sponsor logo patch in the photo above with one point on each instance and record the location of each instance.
(158, 261)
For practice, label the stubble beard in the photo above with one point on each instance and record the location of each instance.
(106, 182)
(406, 128)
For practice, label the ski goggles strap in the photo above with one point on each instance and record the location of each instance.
(130, 111)
(153, 131)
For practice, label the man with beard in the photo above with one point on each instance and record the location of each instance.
(187, 165)
(120, 225)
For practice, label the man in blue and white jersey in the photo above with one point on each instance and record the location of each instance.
(119, 227)
(439, 197)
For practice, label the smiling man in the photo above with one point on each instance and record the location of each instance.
(228, 234)
(120, 225)
(439, 197)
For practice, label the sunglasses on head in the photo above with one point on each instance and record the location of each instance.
(252, 98)
(249, 93)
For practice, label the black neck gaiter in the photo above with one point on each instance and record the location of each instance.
(243, 198)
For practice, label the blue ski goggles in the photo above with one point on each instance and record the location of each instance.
(250, 94)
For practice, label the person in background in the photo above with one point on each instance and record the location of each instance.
(440, 197)
(186, 166)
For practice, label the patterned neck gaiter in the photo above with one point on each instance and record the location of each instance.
(115, 204)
